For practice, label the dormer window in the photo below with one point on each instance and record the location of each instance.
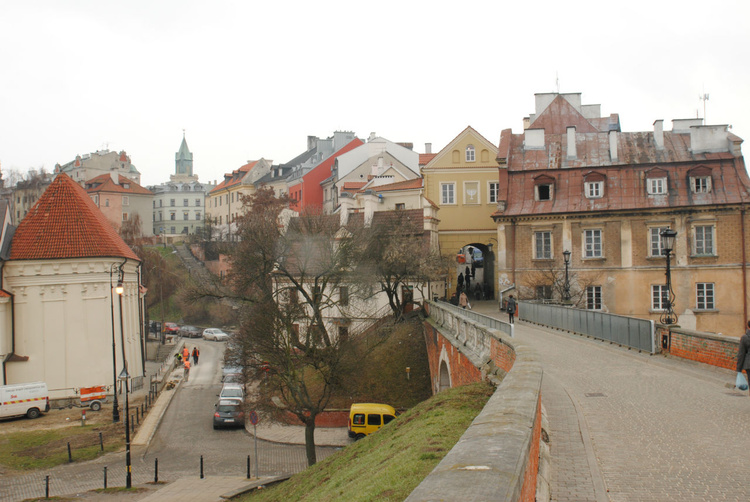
(656, 186)
(544, 192)
(700, 184)
(594, 189)
(470, 154)
(544, 187)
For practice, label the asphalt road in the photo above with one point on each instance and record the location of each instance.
(186, 431)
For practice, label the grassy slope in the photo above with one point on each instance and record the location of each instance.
(389, 464)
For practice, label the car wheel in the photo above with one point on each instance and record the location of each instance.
(33, 413)
(96, 406)
(359, 436)
(215, 427)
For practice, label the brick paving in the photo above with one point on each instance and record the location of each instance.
(658, 428)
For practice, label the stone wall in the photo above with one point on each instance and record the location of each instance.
(497, 458)
(709, 348)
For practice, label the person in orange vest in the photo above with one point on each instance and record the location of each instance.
(187, 369)
(185, 353)
(196, 354)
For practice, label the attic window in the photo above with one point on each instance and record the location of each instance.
(656, 186)
(544, 192)
(700, 184)
(470, 154)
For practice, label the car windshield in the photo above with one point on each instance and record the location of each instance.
(234, 392)
(228, 408)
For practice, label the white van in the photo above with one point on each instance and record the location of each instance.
(28, 399)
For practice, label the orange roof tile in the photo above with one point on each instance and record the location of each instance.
(4, 294)
(104, 183)
(401, 185)
(424, 158)
(231, 180)
(65, 223)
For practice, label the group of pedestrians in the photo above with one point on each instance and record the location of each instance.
(184, 358)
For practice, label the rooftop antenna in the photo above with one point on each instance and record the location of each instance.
(704, 97)
(557, 82)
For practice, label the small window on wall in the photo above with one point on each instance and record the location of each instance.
(704, 240)
(656, 186)
(543, 292)
(125, 216)
(659, 297)
(125, 200)
(471, 192)
(592, 242)
(185, 202)
(493, 191)
(447, 193)
(543, 192)
(594, 298)
(344, 296)
(704, 296)
(401, 205)
(656, 245)
(470, 154)
(594, 189)
(700, 184)
(197, 203)
(543, 245)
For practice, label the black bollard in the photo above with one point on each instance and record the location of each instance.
(101, 442)
(132, 424)
(46, 487)
(201, 466)
(248, 467)
(141, 410)
(156, 470)
(70, 456)
(105, 477)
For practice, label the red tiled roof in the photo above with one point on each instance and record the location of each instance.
(401, 185)
(233, 179)
(104, 183)
(353, 185)
(65, 223)
(4, 294)
(424, 158)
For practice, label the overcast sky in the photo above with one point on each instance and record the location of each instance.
(254, 79)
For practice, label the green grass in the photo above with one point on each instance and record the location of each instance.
(30, 450)
(389, 464)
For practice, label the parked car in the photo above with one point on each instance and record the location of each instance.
(232, 391)
(366, 418)
(28, 399)
(190, 332)
(215, 334)
(229, 413)
(171, 327)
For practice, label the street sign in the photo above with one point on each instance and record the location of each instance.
(253, 418)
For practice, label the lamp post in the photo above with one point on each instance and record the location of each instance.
(115, 404)
(668, 316)
(566, 285)
(124, 377)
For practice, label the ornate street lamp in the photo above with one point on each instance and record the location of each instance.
(124, 377)
(115, 404)
(668, 316)
(566, 285)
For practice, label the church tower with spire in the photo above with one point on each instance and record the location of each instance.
(183, 164)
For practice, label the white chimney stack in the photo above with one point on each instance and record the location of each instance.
(115, 175)
(428, 148)
(659, 134)
(572, 142)
(613, 145)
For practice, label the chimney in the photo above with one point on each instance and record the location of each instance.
(613, 145)
(372, 136)
(428, 148)
(346, 201)
(572, 142)
(659, 134)
(371, 201)
(115, 175)
(533, 139)
(311, 142)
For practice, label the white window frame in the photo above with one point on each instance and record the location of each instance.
(594, 189)
(593, 297)
(493, 190)
(448, 199)
(471, 154)
(705, 296)
(700, 184)
(125, 216)
(659, 297)
(125, 200)
(700, 245)
(656, 186)
(594, 247)
(546, 249)
(475, 185)
(654, 239)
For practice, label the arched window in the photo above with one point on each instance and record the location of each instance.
(470, 154)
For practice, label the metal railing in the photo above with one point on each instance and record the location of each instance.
(626, 331)
(486, 320)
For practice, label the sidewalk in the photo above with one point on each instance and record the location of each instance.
(629, 426)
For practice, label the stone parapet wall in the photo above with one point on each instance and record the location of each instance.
(497, 458)
(709, 348)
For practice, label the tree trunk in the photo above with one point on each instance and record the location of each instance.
(310, 440)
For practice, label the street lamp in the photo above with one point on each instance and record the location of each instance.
(566, 285)
(115, 404)
(124, 377)
(668, 316)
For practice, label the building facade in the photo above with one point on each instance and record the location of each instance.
(91, 165)
(574, 182)
(121, 200)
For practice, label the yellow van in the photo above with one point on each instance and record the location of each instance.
(366, 418)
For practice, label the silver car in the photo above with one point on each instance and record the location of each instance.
(215, 334)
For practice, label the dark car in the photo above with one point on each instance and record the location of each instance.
(229, 413)
(190, 332)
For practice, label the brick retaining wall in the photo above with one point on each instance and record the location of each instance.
(716, 350)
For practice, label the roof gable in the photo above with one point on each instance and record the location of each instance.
(559, 115)
(469, 136)
(65, 223)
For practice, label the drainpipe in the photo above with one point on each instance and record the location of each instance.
(140, 319)
(513, 249)
(744, 265)
(12, 353)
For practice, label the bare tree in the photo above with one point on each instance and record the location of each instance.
(549, 284)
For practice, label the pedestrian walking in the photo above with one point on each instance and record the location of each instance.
(185, 353)
(467, 278)
(196, 354)
(460, 282)
(187, 369)
(177, 358)
(511, 306)
(743, 355)
(463, 300)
